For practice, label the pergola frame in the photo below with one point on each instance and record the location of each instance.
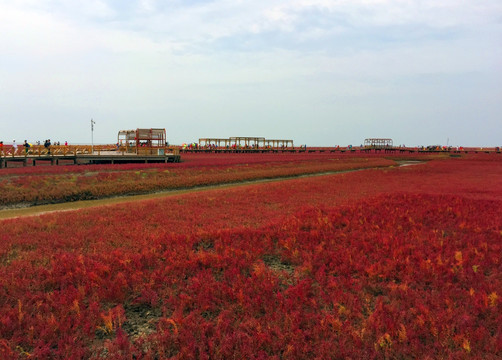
(246, 141)
(215, 141)
(377, 143)
(278, 143)
(155, 138)
(255, 141)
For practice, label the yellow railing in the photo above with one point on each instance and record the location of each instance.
(69, 150)
(40, 150)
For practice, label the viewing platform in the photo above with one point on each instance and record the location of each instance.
(86, 154)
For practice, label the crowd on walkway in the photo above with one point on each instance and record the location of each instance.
(14, 149)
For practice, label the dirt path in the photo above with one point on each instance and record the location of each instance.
(76, 205)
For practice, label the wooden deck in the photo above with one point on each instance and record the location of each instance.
(86, 159)
(334, 150)
(64, 155)
(76, 155)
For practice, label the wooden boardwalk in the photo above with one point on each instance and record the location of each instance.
(333, 150)
(86, 159)
(77, 155)
(109, 154)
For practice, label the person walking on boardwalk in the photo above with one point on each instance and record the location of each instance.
(26, 146)
(14, 147)
(47, 145)
(1, 148)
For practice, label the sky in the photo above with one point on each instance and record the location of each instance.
(319, 72)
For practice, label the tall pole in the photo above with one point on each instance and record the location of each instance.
(92, 136)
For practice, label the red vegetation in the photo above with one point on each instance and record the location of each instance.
(31, 185)
(398, 263)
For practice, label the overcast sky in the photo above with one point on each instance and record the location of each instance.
(320, 72)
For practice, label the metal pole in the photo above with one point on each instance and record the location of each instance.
(92, 136)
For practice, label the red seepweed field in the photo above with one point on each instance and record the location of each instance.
(57, 184)
(397, 262)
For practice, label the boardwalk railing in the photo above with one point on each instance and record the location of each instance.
(72, 150)
(40, 150)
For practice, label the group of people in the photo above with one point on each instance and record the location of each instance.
(14, 147)
(26, 146)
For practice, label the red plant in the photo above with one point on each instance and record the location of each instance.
(401, 262)
(71, 186)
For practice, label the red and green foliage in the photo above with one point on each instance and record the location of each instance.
(394, 263)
